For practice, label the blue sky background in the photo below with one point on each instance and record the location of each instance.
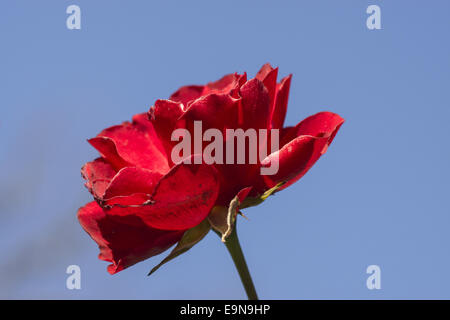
(379, 196)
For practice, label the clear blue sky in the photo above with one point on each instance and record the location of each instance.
(379, 196)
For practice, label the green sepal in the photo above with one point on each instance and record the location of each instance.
(254, 201)
(190, 238)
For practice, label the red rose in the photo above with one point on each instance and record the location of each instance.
(145, 203)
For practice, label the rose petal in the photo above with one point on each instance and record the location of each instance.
(243, 194)
(181, 200)
(255, 106)
(165, 116)
(303, 145)
(180, 207)
(265, 71)
(132, 180)
(268, 76)
(321, 124)
(98, 175)
(281, 102)
(124, 241)
(295, 159)
(132, 144)
(217, 111)
(165, 113)
(186, 94)
(228, 84)
(108, 150)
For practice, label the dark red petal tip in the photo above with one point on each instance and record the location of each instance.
(124, 241)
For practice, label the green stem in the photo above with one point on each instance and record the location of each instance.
(234, 248)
